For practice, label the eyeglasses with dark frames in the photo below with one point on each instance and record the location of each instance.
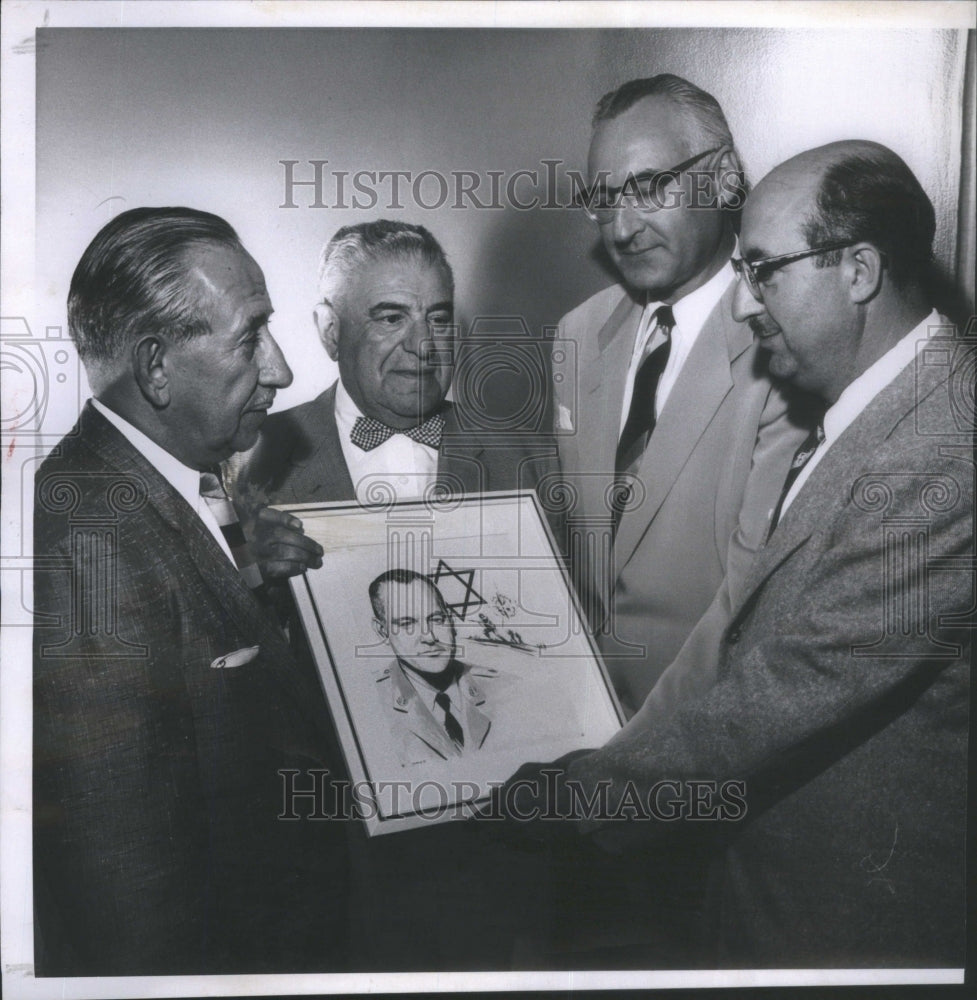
(755, 272)
(644, 192)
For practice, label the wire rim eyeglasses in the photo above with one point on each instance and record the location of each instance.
(643, 192)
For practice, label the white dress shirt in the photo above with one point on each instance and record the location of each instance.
(182, 478)
(398, 469)
(858, 394)
(691, 313)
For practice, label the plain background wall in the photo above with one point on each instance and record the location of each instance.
(202, 117)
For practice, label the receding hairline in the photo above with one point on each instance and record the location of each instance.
(419, 578)
(689, 133)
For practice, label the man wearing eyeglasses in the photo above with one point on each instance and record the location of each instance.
(673, 438)
(842, 698)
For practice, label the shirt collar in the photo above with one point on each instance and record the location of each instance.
(859, 393)
(346, 410)
(428, 692)
(692, 311)
(182, 478)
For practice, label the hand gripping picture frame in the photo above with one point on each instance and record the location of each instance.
(451, 649)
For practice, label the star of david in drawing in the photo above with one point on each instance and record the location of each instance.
(457, 588)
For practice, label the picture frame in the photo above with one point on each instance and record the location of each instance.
(506, 636)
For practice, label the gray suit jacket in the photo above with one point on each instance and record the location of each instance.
(299, 458)
(165, 703)
(710, 476)
(842, 699)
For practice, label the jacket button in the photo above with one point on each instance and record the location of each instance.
(733, 635)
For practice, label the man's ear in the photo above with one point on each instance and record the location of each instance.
(149, 366)
(380, 629)
(327, 326)
(732, 180)
(866, 264)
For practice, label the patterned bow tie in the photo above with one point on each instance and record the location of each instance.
(368, 433)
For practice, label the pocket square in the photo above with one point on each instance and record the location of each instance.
(236, 659)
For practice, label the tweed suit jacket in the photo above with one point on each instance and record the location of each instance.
(842, 699)
(165, 702)
(299, 458)
(707, 482)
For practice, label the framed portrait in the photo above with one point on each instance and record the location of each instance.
(451, 650)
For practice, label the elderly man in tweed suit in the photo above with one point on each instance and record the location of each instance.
(166, 700)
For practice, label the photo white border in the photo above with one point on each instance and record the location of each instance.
(17, 225)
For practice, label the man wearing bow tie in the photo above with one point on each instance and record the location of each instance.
(384, 430)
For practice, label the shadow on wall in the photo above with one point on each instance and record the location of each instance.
(534, 267)
(949, 297)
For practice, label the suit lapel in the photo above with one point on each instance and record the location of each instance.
(603, 381)
(420, 721)
(702, 385)
(230, 592)
(323, 467)
(477, 723)
(829, 487)
(458, 461)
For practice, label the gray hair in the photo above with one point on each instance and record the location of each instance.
(354, 246)
(132, 278)
(699, 108)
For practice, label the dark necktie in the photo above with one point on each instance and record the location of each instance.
(212, 490)
(451, 724)
(641, 415)
(803, 455)
(368, 433)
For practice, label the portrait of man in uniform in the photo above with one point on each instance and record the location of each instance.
(437, 706)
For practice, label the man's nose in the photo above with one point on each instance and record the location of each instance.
(625, 223)
(274, 370)
(417, 338)
(745, 303)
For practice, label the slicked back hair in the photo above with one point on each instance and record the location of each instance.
(132, 279)
(354, 246)
(700, 108)
(871, 195)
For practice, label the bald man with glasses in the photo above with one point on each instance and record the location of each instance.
(842, 701)
(673, 439)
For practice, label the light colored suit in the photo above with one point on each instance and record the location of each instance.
(707, 481)
(842, 699)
